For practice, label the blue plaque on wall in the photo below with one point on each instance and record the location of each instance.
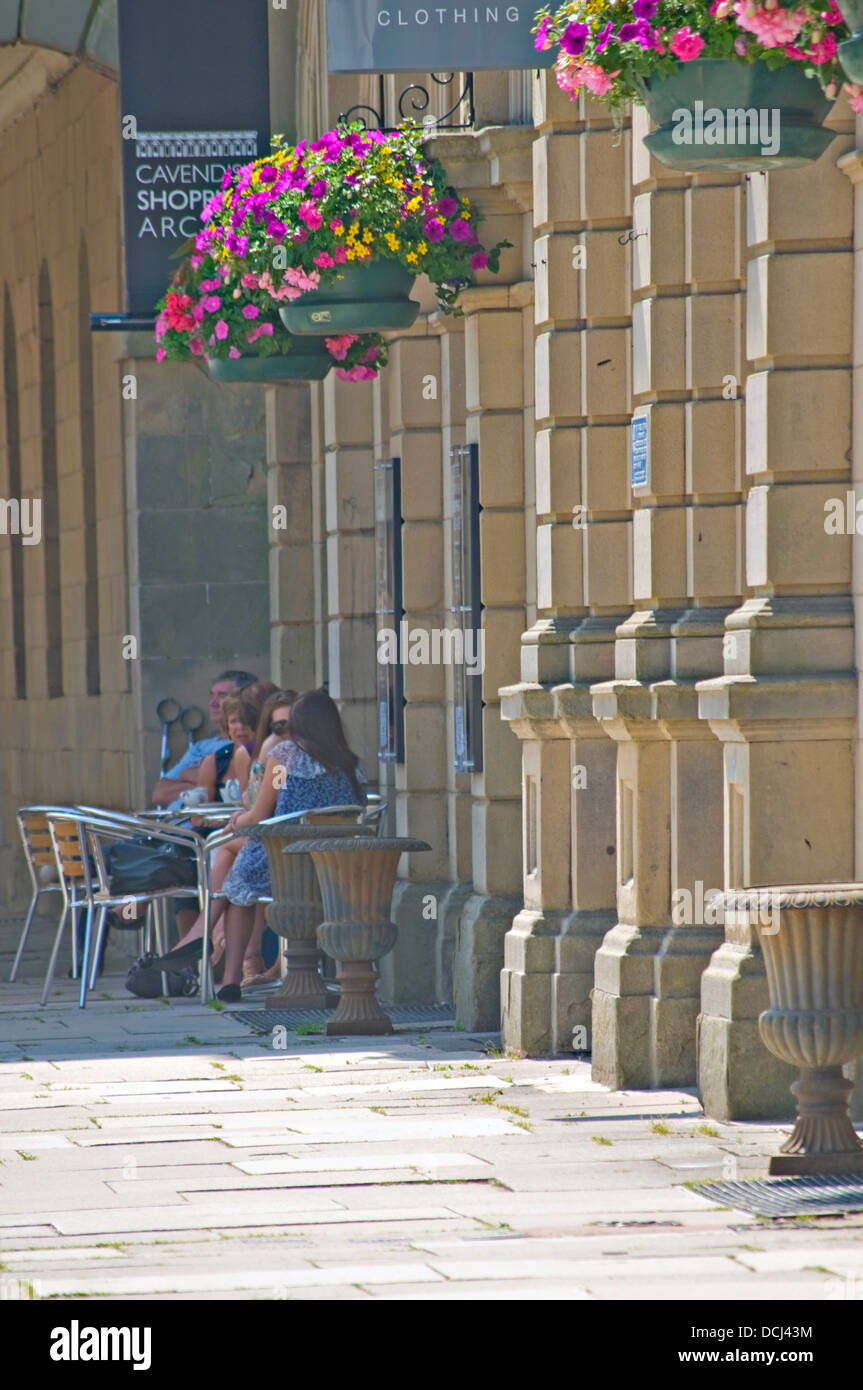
(639, 457)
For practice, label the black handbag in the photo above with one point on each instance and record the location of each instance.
(145, 981)
(145, 865)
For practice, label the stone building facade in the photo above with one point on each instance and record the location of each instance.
(669, 691)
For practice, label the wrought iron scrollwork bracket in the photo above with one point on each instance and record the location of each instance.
(415, 100)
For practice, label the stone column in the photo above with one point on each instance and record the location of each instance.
(687, 369)
(785, 707)
(293, 486)
(348, 435)
(582, 261)
(411, 431)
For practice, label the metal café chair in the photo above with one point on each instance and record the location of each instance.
(78, 838)
(39, 853)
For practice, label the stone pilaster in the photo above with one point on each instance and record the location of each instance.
(582, 256)
(785, 707)
(296, 551)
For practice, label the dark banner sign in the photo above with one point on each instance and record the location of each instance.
(195, 101)
(377, 36)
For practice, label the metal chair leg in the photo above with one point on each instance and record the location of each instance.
(100, 934)
(49, 977)
(24, 934)
(88, 937)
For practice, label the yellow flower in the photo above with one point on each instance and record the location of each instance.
(368, 236)
(422, 248)
(392, 241)
(466, 202)
(412, 258)
(351, 253)
(414, 204)
(465, 217)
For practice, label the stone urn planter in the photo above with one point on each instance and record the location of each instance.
(308, 361)
(357, 877)
(296, 910)
(707, 85)
(814, 961)
(367, 298)
(851, 51)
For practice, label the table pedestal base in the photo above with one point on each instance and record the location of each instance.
(358, 1014)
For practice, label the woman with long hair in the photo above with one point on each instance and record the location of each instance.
(312, 767)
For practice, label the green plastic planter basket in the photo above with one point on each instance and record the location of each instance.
(851, 51)
(368, 298)
(308, 361)
(747, 95)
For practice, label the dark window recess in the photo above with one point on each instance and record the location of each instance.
(467, 607)
(389, 611)
(413, 104)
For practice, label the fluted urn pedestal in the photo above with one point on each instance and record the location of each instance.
(296, 910)
(357, 877)
(812, 939)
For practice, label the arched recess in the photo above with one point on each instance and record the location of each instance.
(13, 485)
(50, 495)
(86, 416)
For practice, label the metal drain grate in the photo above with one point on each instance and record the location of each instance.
(265, 1020)
(812, 1196)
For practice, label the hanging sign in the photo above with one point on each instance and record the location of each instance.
(379, 36)
(194, 103)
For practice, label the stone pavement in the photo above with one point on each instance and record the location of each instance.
(159, 1150)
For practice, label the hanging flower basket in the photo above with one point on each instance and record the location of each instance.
(851, 51)
(732, 84)
(713, 115)
(371, 297)
(307, 361)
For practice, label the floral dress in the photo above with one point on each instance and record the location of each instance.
(307, 786)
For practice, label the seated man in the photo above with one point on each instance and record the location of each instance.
(183, 776)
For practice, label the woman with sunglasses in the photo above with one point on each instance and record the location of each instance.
(312, 767)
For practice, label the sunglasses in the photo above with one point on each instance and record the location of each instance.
(280, 726)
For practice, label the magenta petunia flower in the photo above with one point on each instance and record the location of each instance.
(460, 230)
(341, 255)
(603, 37)
(434, 230)
(324, 260)
(574, 38)
(338, 347)
(212, 304)
(250, 311)
(222, 329)
(234, 352)
(478, 261)
(318, 189)
(160, 354)
(644, 9)
(447, 207)
(542, 41)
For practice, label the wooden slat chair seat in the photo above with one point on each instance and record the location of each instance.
(39, 852)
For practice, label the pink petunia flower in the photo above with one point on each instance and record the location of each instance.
(222, 329)
(234, 352)
(854, 92)
(250, 311)
(324, 260)
(479, 260)
(160, 354)
(338, 347)
(196, 346)
(434, 229)
(447, 207)
(686, 44)
(460, 230)
(308, 213)
(341, 255)
(357, 373)
(824, 51)
(250, 281)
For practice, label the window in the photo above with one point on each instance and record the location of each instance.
(13, 478)
(50, 497)
(389, 610)
(88, 475)
(467, 608)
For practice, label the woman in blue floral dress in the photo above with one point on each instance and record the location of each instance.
(313, 767)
